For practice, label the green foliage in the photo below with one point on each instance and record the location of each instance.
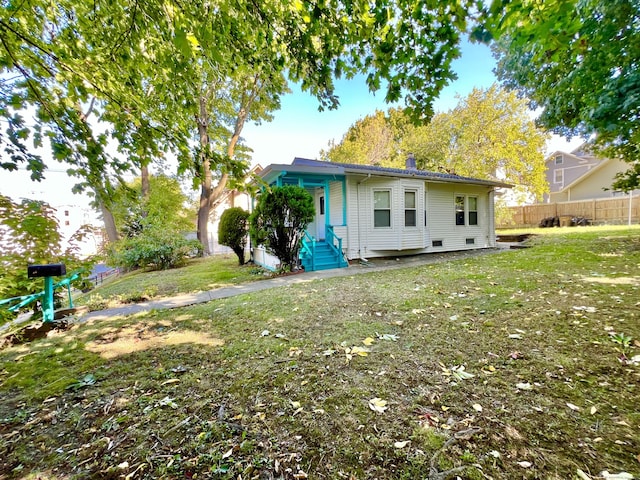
(577, 61)
(372, 140)
(232, 230)
(29, 235)
(149, 66)
(165, 206)
(279, 220)
(155, 248)
(489, 134)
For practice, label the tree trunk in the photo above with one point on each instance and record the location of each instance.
(109, 222)
(205, 182)
(144, 176)
(208, 194)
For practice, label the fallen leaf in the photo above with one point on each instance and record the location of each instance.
(387, 336)
(402, 444)
(616, 476)
(477, 407)
(295, 404)
(525, 464)
(418, 311)
(515, 336)
(378, 405)
(459, 373)
(171, 380)
(368, 341)
(363, 352)
(227, 454)
(593, 410)
(583, 475)
(524, 386)
(265, 333)
(572, 406)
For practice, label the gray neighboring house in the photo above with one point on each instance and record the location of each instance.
(580, 175)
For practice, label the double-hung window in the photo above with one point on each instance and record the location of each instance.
(381, 208)
(459, 210)
(466, 208)
(472, 210)
(410, 212)
(558, 175)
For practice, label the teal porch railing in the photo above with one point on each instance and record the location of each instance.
(309, 248)
(332, 239)
(323, 254)
(16, 303)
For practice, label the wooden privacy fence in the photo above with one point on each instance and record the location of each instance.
(599, 211)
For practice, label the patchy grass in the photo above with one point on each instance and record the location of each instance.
(283, 384)
(199, 274)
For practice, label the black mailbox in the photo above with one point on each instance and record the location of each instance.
(49, 270)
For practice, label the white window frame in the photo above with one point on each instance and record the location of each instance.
(559, 160)
(466, 211)
(558, 178)
(469, 211)
(389, 208)
(457, 210)
(414, 209)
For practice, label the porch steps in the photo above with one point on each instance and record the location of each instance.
(325, 258)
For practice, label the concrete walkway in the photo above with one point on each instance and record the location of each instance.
(184, 300)
(375, 265)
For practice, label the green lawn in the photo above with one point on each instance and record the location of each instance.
(516, 365)
(198, 275)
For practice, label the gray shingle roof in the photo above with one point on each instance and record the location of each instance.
(409, 173)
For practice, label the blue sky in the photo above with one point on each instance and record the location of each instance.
(298, 128)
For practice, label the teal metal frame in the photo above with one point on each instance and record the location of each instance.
(48, 307)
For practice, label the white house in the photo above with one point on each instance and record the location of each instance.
(364, 211)
(73, 217)
(229, 199)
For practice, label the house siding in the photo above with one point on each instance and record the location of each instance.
(593, 186)
(363, 240)
(335, 204)
(350, 208)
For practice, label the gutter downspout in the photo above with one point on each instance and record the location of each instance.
(358, 213)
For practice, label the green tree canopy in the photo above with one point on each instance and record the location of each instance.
(489, 134)
(578, 61)
(144, 68)
(165, 205)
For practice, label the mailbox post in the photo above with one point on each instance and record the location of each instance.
(47, 272)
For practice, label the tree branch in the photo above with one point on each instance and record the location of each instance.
(434, 474)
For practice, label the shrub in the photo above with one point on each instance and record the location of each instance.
(279, 220)
(232, 231)
(154, 248)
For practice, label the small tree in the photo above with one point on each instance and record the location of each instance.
(232, 230)
(279, 220)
